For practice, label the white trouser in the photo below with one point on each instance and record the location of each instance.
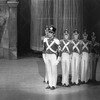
(46, 74)
(84, 66)
(75, 67)
(51, 64)
(93, 66)
(65, 59)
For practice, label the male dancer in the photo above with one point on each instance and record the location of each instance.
(95, 51)
(52, 47)
(65, 58)
(85, 58)
(76, 51)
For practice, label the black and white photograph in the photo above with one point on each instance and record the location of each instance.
(49, 49)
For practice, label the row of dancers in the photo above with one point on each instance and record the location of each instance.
(78, 57)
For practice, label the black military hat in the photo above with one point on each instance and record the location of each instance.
(66, 30)
(84, 33)
(52, 29)
(75, 32)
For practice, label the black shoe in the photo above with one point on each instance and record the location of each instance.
(89, 81)
(78, 84)
(48, 87)
(72, 84)
(47, 82)
(64, 85)
(67, 85)
(82, 82)
(43, 81)
(86, 82)
(53, 88)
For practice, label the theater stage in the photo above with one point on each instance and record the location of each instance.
(22, 79)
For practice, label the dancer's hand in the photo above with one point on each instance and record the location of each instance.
(58, 60)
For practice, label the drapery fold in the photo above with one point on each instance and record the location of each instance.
(60, 13)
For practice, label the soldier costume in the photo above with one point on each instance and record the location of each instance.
(94, 54)
(76, 51)
(52, 46)
(85, 58)
(65, 58)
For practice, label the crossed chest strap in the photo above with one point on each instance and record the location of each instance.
(76, 46)
(85, 45)
(65, 46)
(49, 46)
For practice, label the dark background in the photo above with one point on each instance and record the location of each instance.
(91, 22)
(24, 16)
(91, 17)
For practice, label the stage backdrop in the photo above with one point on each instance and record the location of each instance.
(60, 13)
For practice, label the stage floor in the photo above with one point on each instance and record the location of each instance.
(22, 79)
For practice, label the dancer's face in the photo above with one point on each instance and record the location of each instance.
(85, 37)
(76, 36)
(66, 36)
(50, 35)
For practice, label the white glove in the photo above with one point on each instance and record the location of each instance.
(58, 60)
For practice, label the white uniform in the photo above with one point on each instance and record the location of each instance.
(65, 59)
(85, 61)
(51, 60)
(76, 50)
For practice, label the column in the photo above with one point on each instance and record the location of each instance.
(12, 28)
